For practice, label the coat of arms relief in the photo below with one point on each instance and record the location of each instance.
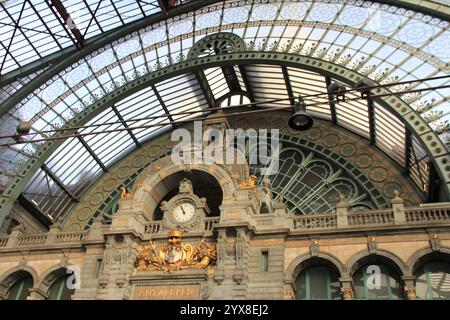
(175, 255)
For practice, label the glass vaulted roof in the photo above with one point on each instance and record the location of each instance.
(32, 29)
(385, 43)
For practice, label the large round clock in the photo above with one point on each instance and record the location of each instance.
(183, 212)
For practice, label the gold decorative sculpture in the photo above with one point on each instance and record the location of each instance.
(175, 255)
(249, 184)
(124, 194)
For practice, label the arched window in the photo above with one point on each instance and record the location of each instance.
(433, 281)
(59, 290)
(318, 282)
(20, 289)
(376, 281)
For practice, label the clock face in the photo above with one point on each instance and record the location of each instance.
(183, 212)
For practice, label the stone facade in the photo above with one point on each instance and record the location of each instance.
(259, 249)
(105, 254)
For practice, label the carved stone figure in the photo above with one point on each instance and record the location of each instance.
(265, 197)
(186, 186)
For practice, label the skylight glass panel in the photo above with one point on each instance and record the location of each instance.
(217, 82)
(390, 134)
(182, 96)
(267, 83)
(143, 109)
(353, 113)
(237, 70)
(47, 195)
(306, 84)
(419, 164)
(108, 146)
(74, 166)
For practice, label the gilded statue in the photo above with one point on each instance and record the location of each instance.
(249, 184)
(175, 255)
(124, 194)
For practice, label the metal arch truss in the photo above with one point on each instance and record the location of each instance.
(62, 59)
(413, 122)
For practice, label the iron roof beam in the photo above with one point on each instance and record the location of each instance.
(246, 83)
(93, 17)
(124, 123)
(59, 182)
(73, 32)
(331, 102)
(209, 96)
(231, 78)
(93, 154)
(62, 59)
(34, 211)
(371, 114)
(161, 102)
(288, 83)
(17, 27)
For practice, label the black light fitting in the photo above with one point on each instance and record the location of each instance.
(300, 120)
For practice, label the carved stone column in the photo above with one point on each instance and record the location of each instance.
(118, 264)
(398, 207)
(409, 288)
(219, 274)
(346, 289)
(238, 275)
(13, 238)
(94, 244)
(51, 235)
(341, 213)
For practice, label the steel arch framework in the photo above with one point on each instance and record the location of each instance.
(409, 117)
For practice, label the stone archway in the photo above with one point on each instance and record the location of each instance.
(15, 274)
(51, 276)
(425, 255)
(156, 181)
(382, 256)
(301, 262)
(326, 264)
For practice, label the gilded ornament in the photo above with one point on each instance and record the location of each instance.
(249, 184)
(124, 194)
(175, 255)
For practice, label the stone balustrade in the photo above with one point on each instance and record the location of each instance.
(210, 222)
(421, 215)
(31, 240)
(315, 222)
(342, 219)
(429, 214)
(67, 237)
(153, 227)
(369, 218)
(3, 241)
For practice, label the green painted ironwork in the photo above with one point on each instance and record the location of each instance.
(409, 117)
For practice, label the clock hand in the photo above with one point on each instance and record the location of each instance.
(182, 209)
